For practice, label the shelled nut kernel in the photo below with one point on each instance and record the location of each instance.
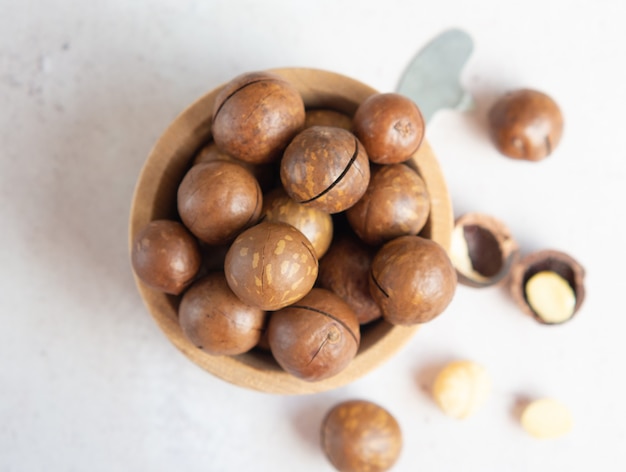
(550, 296)
(360, 436)
(546, 418)
(461, 388)
(548, 285)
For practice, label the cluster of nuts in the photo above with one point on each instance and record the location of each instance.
(548, 285)
(297, 227)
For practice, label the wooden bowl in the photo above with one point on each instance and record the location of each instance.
(155, 198)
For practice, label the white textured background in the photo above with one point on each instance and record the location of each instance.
(88, 382)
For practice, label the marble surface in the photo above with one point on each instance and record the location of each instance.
(87, 380)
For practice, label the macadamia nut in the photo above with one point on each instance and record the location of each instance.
(461, 388)
(546, 418)
(550, 296)
(360, 436)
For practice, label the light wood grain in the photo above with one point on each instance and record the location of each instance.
(155, 197)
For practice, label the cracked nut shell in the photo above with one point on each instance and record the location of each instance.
(256, 115)
(526, 124)
(396, 203)
(166, 256)
(566, 268)
(412, 280)
(271, 265)
(482, 250)
(361, 436)
(390, 126)
(326, 168)
(315, 224)
(316, 337)
(345, 270)
(215, 320)
(219, 199)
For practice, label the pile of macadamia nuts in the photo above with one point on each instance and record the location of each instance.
(297, 227)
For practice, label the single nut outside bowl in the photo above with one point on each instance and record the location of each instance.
(155, 197)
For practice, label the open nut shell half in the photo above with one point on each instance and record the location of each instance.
(482, 250)
(549, 260)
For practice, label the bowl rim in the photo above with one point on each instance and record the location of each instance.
(319, 89)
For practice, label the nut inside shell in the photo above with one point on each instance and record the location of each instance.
(326, 168)
(526, 124)
(482, 250)
(556, 305)
(359, 435)
(316, 337)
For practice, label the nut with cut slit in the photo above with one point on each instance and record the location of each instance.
(326, 168)
(316, 337)
(549, 286)
(412, 280)
(482, 250)
(255, 115)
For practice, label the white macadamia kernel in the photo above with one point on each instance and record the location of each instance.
(546, 419)
(460, 256)
(461, 388)
(551, 297)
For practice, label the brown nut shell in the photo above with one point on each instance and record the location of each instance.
(345, 270)
(547, 260)
(412, 280)
(315, 224)
(326, 168)
(316, 337)
(390, 126)
(256, 115)
(271, 265)
(264, 173)
(326, 117)
(482, 250)
(217, 200)
(396, 203)
(214, 319)
(166, 256)
(361, 436)
(526, 124)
